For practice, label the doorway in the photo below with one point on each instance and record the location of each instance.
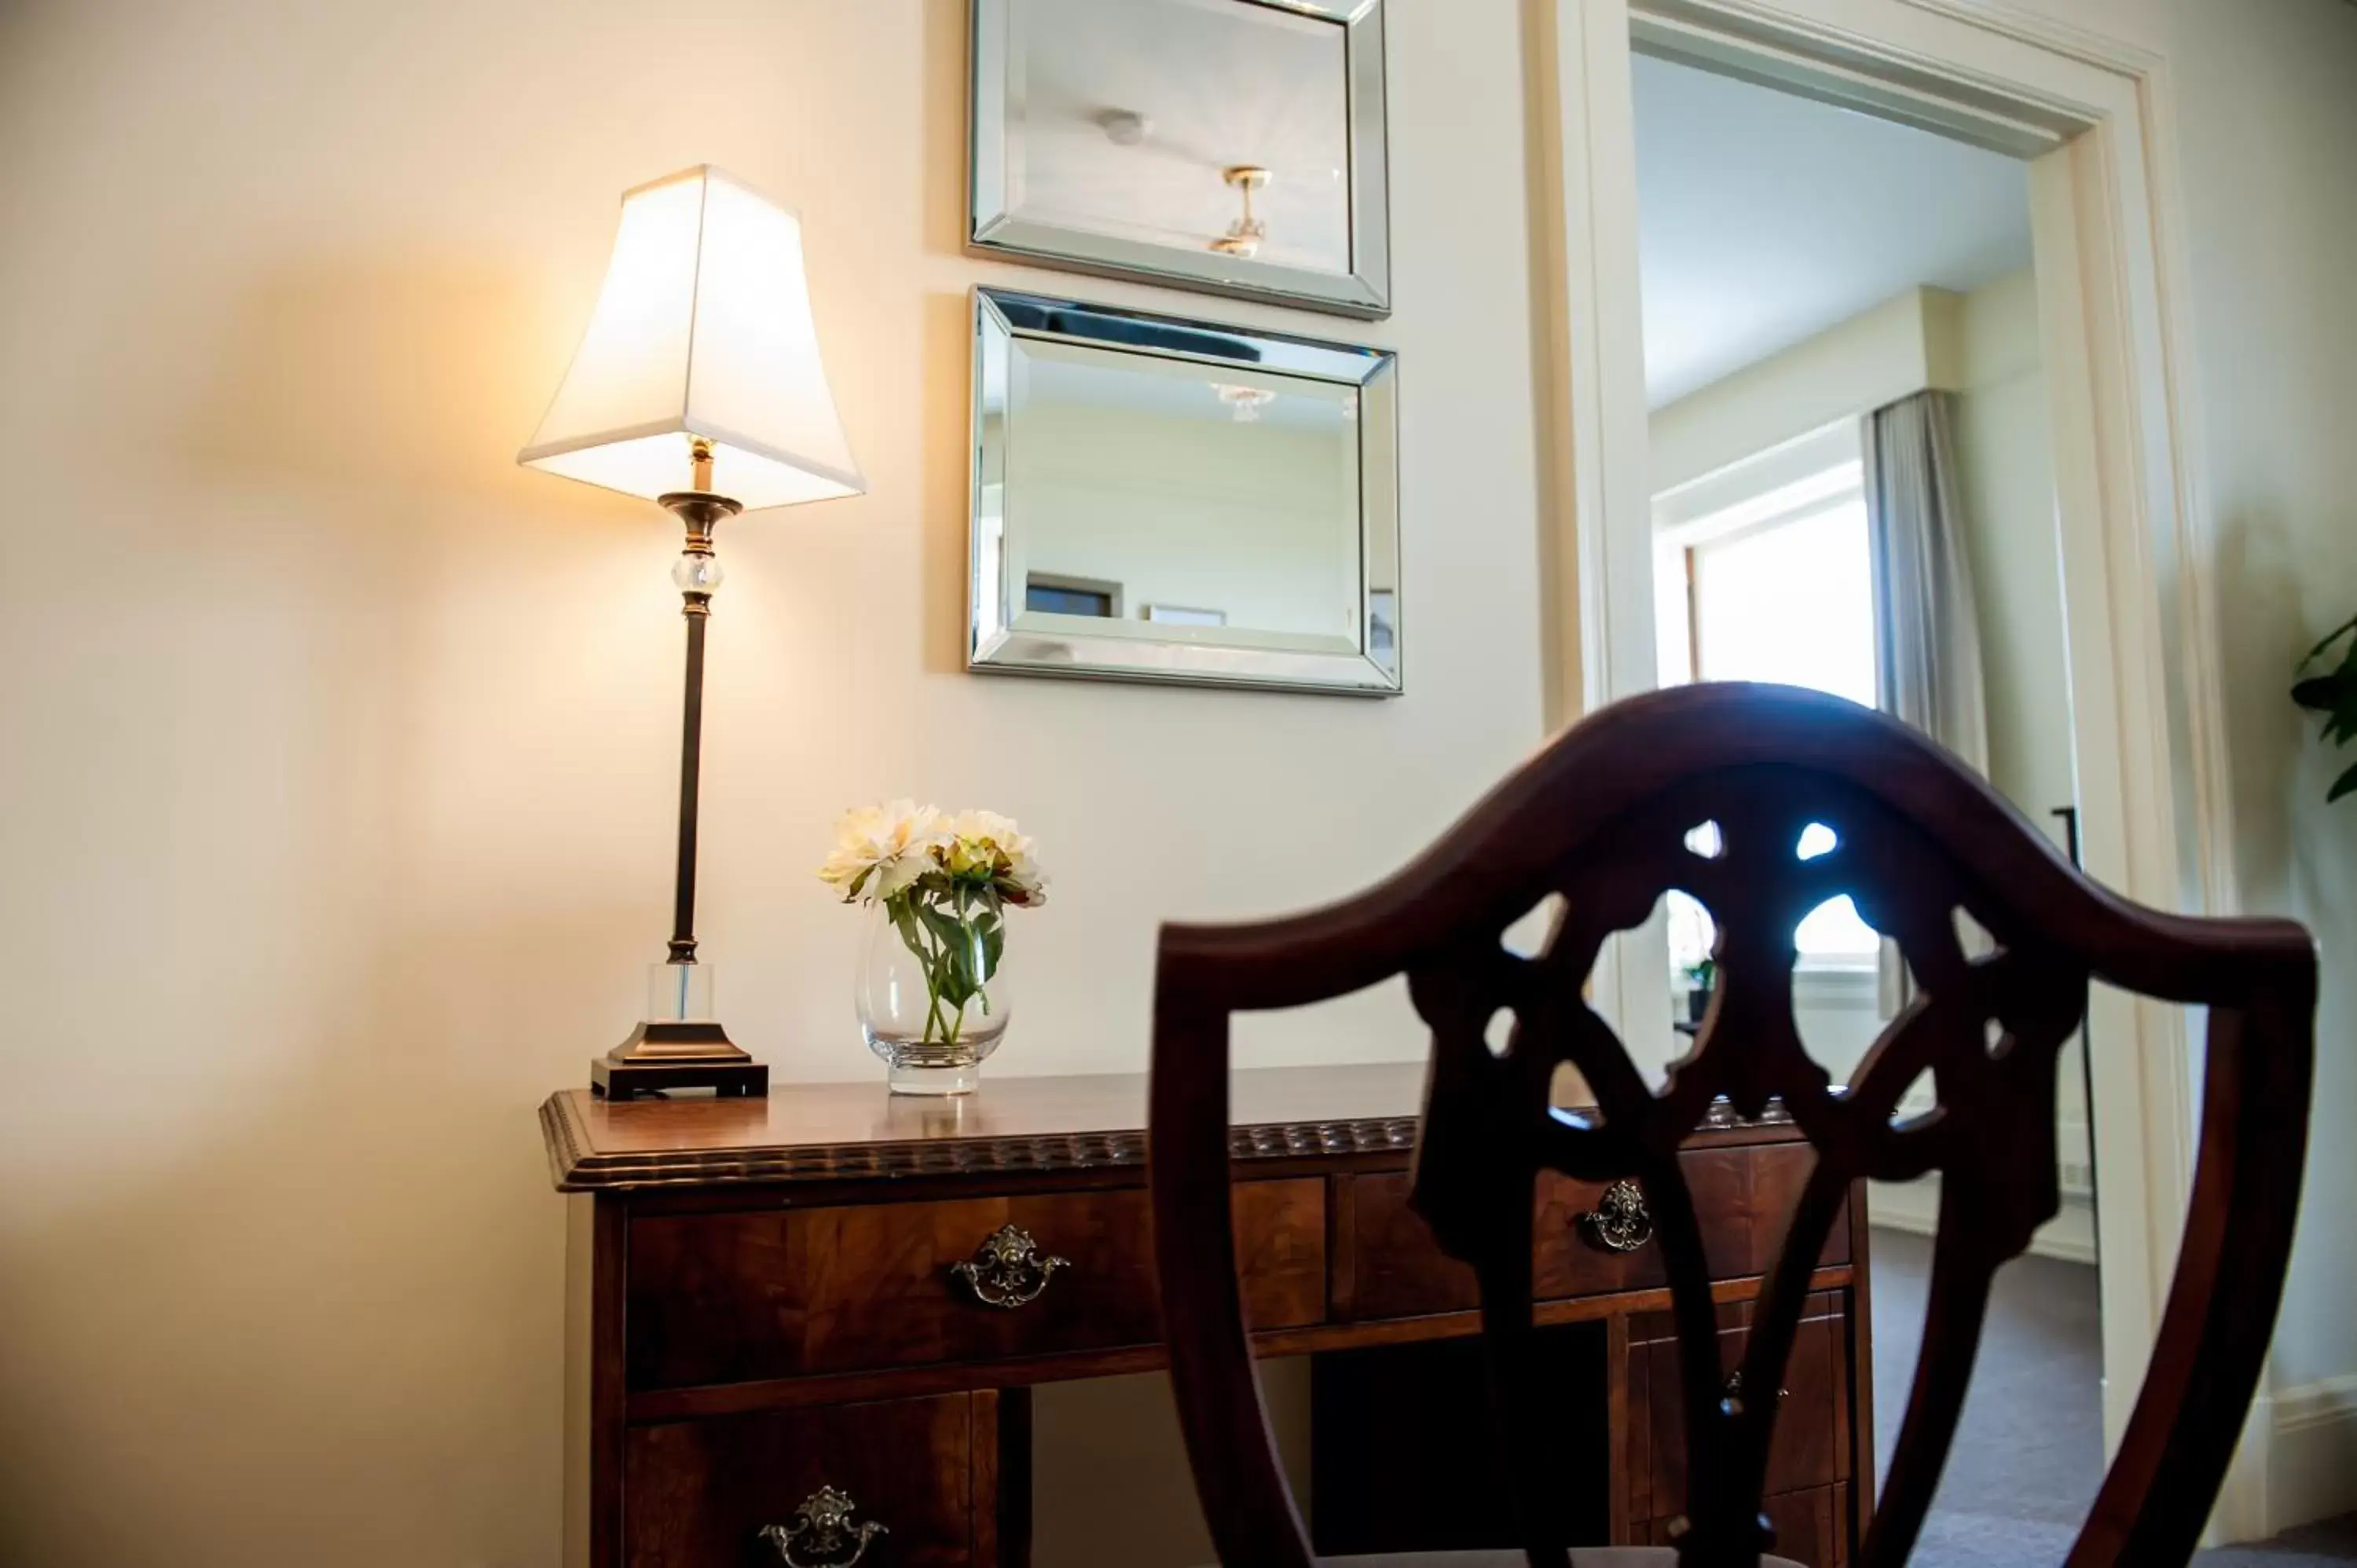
(2144, 739)
(1811, 273)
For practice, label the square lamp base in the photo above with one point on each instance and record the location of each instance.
(661, 1056)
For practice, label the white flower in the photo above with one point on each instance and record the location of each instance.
(988, 830)
(1024, 885)
(880, 850)
(987, 838)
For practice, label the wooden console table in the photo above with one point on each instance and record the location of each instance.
(803, 1328)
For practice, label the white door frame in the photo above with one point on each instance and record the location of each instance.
(2137, 540)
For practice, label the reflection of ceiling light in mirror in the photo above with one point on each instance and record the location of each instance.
(1244, 235)
(1243, 402)
(1124, 127)
(1351, 405)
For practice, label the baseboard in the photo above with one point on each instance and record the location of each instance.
(1914, 1206)
(2311, 1456)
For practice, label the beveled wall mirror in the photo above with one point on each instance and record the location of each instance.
(1234, 146)
(1161, 499)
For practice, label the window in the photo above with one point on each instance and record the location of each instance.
(1790, 600)
(1055, 593)
(1765, 572)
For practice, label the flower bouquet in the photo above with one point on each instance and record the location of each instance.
(933, 994)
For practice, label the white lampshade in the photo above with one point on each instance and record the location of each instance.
(704, 329)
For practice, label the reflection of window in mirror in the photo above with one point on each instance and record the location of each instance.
(1051, 593)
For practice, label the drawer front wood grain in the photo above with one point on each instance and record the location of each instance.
(1811, 1446)
(1391, 1267)
(697, 1494)
(731, 1297)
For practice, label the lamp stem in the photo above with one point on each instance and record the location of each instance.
(697, 611)
(696, 576)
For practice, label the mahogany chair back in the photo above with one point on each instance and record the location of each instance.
(1605, 816)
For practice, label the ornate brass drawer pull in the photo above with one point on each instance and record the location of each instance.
(1008, 1269)
(822, 1526)
(1619, 1223)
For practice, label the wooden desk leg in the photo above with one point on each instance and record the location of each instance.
(596, 1231)
(1002, 1478)
(1616, 1374)
(1861, 1495)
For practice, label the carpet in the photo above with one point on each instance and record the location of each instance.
(2029, 1452)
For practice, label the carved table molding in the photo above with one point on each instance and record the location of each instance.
(577, 1168)
(1011, 1126)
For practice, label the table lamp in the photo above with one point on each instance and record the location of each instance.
(697, 385)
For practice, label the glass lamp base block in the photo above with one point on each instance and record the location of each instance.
(680, 993)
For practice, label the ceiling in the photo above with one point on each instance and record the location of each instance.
(1211, 86)
(1764, 218)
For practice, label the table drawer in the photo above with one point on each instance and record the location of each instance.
(899, 1473)
(1810, 1447)
(1388, 1264)
(730, 1297)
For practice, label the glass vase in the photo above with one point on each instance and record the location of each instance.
(932, 991)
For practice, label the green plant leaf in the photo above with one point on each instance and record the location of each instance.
(954, 966)
(959, 984)
(2344, 722)
(2335, 635)
(2333, 694)
(2317, 692)
(943, 927)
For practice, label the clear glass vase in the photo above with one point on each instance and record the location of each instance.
(933, 995)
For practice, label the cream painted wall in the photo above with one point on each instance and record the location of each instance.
(1878, 356)
(2005, 452)
(2270, 128)
(340, 758)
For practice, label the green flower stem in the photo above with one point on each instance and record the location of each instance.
(954, 933)
(937, 983)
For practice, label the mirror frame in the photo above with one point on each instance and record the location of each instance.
(993, 225)
(996, 644)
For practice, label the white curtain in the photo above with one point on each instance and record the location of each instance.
(1927, 630)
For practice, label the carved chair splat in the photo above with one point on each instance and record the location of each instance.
(1607, 817)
